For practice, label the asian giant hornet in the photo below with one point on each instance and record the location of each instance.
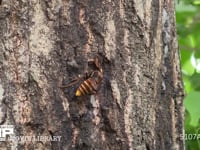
(92, 81)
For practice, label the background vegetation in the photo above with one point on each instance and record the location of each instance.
(188, 29)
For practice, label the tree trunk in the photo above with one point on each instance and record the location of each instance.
(47, 44)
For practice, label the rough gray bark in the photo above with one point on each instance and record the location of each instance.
(45, 44)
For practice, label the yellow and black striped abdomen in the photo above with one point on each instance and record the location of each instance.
(88, 87)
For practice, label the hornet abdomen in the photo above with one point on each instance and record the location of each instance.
(91, 85)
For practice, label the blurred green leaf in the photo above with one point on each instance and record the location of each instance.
(187, 118)
(190, 138)
(181, 7)
(197, 54)
(188, 68)
(182, 30)
(185, 56)
(192, 103)
(187, 84)
(195, 80)
(196, 2)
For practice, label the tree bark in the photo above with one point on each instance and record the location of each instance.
(46, 44)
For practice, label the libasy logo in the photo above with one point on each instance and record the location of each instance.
(6, 131)
(7, 134)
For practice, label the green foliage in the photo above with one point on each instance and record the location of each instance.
(190, 134)
(188, 29)
(192, 106)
